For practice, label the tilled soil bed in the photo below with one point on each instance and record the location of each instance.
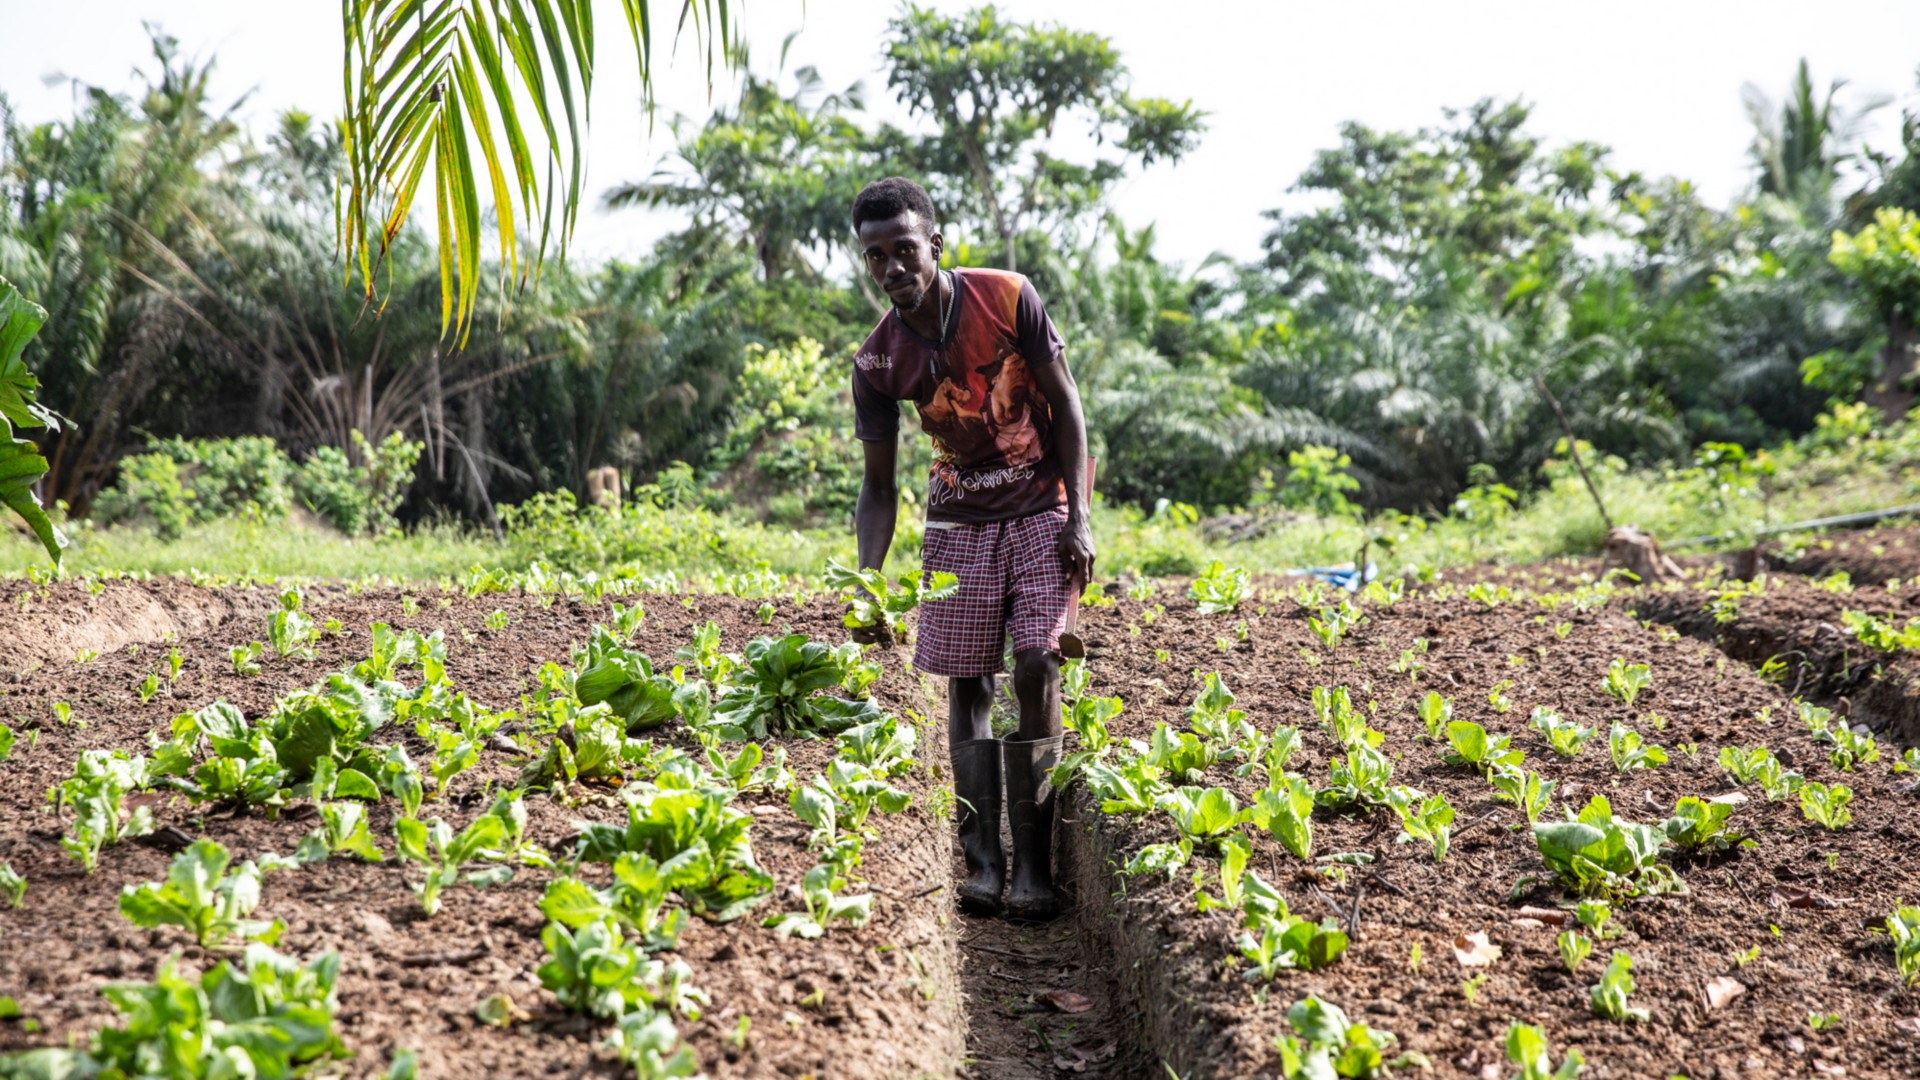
(1805, 897)
(879, 1001)
(1795, 629)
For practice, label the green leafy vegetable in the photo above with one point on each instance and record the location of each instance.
(1624, 681)
(1528, 790)
(1285, 809)
(1903, 926)
(435, 846)
(690, 828)
(1698, 825)
(624, 680)
(96, 793)
(1609, 995)
(820, 892)
(1597, 854)
(1469, 744)
(1428, 818)
(778, 691)
(1630, 751)
(202, 897)
(1527, 1048)
(873, 602)
(594, 971)
(1826, 805)
(1564, 736)
(1220, 590)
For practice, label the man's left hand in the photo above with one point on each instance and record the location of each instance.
(1076, 548)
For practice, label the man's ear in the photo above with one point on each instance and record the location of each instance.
(937, 245)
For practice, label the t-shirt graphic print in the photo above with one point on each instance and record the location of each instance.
(991, 427)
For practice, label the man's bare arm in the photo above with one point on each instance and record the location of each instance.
(879, 503)
(1070, 443)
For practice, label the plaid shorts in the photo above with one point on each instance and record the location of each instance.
(1013, 583)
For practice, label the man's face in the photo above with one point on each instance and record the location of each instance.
(903, 255)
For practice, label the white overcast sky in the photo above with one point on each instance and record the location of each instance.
(1659, 82)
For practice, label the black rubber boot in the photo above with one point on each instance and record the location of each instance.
(976, 787)
(1030, 895)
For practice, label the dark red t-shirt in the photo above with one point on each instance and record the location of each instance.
(992, 429)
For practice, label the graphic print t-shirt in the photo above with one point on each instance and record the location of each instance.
(992, 429)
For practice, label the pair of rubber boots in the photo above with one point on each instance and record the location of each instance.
(979, 766)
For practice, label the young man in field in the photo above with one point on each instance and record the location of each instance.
(1006, 513)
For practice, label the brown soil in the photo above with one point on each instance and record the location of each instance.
(1799, 626)
(1179, 972)
(1870, 556)
(881, 1001)
(53, 623)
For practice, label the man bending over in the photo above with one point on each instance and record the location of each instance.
(982, 363)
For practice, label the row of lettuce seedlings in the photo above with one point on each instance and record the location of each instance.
(1599, 858)
(264, 1013)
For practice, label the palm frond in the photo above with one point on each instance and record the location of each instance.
(437, 88)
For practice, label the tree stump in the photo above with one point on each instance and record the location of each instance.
(1631, 549)
(603, 487)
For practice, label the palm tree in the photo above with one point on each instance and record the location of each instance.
(1800, 144)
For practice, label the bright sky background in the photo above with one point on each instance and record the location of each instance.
(1658, 81)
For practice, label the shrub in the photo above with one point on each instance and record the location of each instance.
(359, 499)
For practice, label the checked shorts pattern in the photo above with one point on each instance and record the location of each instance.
(1013, 584)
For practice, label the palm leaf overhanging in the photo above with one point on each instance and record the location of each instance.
(479, 94)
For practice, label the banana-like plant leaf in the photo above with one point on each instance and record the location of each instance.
(21, 465)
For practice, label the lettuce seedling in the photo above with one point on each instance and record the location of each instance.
(1597, 854)
(753, 769)
(1574, 948)
(1469, 744)
(637, 897)
(593, 970)
(267, 1017)
(820, 892)
(1698, 825)
(884, 746)
(1609, 995)
(1285, 809)
(1220, 590)
(594, 752)
(1630, 751)
(1848, 746)
(1429, 819)
(1204, 816)
(246, 658)
(1903, 926)
(437, 847)
(290, 629)
(1132, 787)
(624, 680)
(700, 827)
(1528, 790)
(1624, 681)
(1234, 852)
(1360, 778)
(13, 887)
(1593, 914)
(1564, 736)
(203, 898)
(1340, 719)
(1212, 716)
(1279, 940)
(1435, 712)
(1527, 1048)
(1180, 755)
(1159, 858)
(776, 692)
(875, 603)
(96, 793)
(1325, 1045)
(1743, 764)
(647, 1041)
(1826, 805)
(343, 830)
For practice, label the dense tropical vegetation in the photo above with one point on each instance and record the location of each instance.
(1388, 352)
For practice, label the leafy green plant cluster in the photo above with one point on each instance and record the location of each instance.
(1220, 590)
(96, 795)
(1598, 855)
(1903, 928)
(1624, 681)
(777, 689)
(266, 1016)
(877, 604)
(1566, 737)
(202, 897)
(1325, 1044)
(21, 464)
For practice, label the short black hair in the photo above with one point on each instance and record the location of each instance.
(886, 199)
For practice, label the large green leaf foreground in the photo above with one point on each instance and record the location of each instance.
(437, 87)
(21, 465)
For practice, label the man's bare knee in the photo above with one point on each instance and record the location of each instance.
(1034, 669)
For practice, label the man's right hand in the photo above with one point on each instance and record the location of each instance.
(880, 634)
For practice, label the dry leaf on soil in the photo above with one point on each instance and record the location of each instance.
(1722, 989)
(1474, 950)
(1067, 1001)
